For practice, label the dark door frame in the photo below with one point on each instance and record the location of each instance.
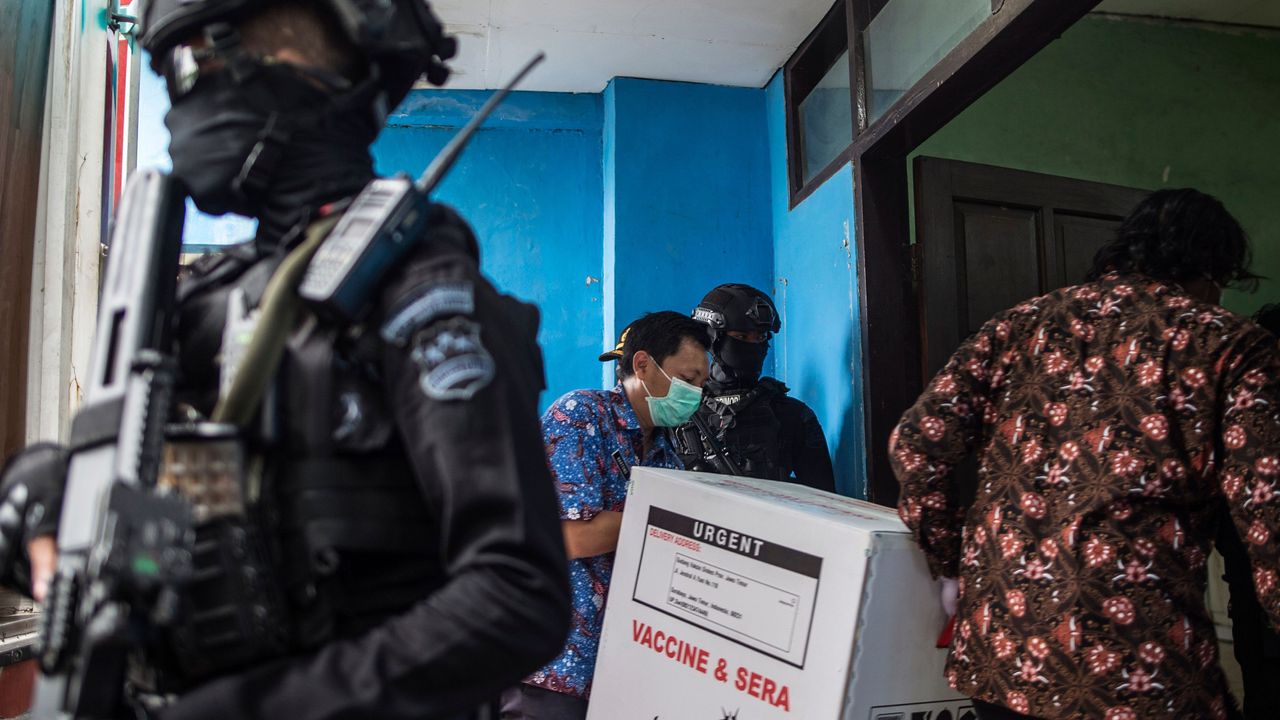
(892, 336)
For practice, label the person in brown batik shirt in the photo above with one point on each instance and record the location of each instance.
(1254, 643)
(1110, 420)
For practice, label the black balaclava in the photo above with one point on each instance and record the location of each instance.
(321, 142)
(737, 362)
(735, 307)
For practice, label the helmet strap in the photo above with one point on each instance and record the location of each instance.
(255, 175)
(260, 165)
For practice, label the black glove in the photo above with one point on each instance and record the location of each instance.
(31, 486)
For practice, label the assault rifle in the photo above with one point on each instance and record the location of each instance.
(709, 447)
(123, 545)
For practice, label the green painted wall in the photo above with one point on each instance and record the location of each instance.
(1147, 104)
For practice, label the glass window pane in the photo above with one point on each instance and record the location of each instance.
(826, 119)
(907, 38)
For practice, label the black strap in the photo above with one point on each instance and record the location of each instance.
(260, 166)
(761, 390)
(274, 138)
(218, 268)
(310, 394)
(279, 308)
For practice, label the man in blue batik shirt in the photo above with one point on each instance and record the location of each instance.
(592, 438)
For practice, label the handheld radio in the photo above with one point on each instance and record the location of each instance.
(382, 225)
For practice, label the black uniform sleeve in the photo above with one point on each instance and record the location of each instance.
(31, 487)
(811, 462)
(462, 373)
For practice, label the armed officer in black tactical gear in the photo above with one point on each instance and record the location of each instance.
(404, 558)
(756, 428)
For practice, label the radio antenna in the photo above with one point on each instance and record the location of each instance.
(442, 163)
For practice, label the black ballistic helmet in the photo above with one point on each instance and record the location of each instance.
(402, 39)
(737, 307)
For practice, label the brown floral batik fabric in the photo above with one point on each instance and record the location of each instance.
(1109, 420)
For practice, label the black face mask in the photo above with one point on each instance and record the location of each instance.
(738, 361)
(320, 143)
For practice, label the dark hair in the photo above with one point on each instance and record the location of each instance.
(1268, 317)
(1179, 235)
(660, 334)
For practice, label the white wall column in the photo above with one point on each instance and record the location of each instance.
(70, 216)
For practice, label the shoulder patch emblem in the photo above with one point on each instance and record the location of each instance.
(453, 363)
(428, 304)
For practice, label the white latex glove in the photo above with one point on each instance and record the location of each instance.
(950, 593)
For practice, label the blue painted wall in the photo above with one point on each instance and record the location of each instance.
(600, 208)
(686, 196)
(819, 351)
(530, 184)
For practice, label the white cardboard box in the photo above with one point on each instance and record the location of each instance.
(752, 600)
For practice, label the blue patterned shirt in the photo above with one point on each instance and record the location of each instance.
(582, 431)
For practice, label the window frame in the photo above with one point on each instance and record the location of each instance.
(842, 27)
(802, 72)
(887, 277)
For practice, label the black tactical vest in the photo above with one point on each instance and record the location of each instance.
(340, 537)
(745, 425)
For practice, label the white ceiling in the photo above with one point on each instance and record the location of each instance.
(725, 42)
(1264, 13)
(589, 42)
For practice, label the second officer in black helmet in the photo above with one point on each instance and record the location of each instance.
(401, 524)
(764, 432)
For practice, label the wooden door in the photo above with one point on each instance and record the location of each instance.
(991, 237)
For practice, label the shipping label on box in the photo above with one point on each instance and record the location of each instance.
(744, 599)
(753, 592)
